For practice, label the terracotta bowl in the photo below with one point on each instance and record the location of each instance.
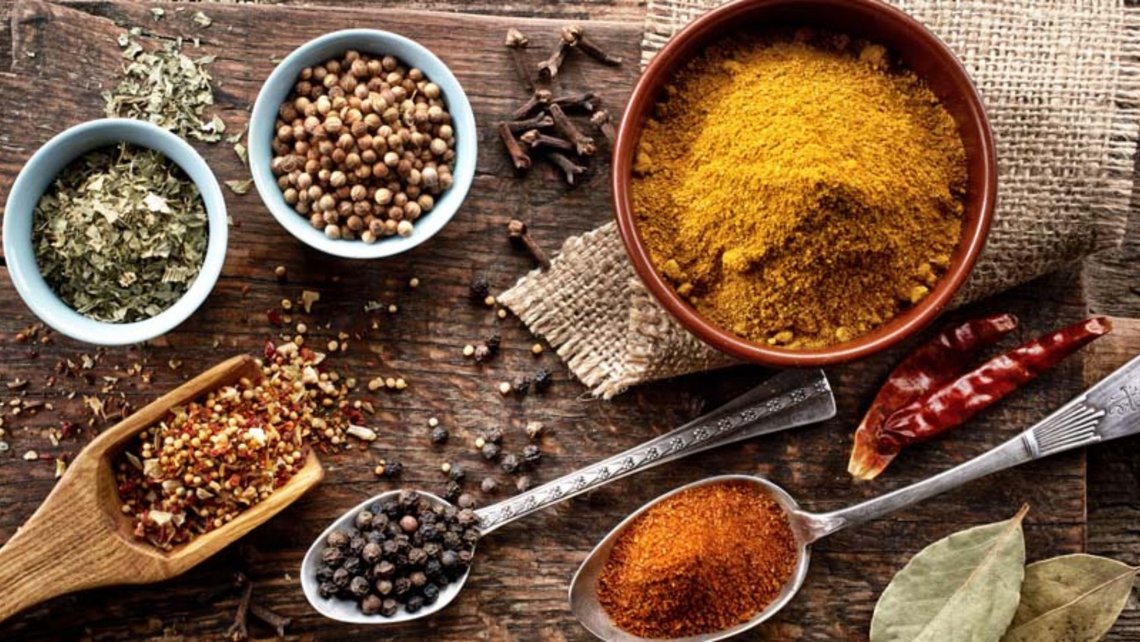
(906, 40)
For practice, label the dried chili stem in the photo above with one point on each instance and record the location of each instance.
(518, 157)
(582, 143)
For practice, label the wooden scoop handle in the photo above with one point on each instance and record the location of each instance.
(78, 538)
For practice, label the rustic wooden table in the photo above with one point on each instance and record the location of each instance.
(59, 57)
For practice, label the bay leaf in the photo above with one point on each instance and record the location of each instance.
(963, 587)
(1072, 598)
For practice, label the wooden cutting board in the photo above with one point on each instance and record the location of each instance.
(63, 58)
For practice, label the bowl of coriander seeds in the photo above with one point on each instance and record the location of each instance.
(115, 232)
(362, 144)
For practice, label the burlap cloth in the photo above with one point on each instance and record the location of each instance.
(1061, 81)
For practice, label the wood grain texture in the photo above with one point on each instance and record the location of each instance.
(517, 589)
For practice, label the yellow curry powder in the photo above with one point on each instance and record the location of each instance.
(799, 192)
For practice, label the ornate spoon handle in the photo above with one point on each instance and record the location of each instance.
(1108, 410)
(791, 398)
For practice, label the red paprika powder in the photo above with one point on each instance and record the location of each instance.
(700, 561)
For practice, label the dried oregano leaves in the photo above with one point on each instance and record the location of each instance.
(121, 234)
(1072, 598)
(167, 88)
(963, 587)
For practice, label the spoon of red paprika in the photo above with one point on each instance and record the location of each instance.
(789, 399)
(1108, 410)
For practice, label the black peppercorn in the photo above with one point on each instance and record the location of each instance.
(389, 607)
(359, 586)
(341, 577)
(471, 535)
(393, 469)
(352, 564)
(448, 559)
(383, 587)
(392, 509)
(439, 435)
(434, 570)
(408, 499)
(482, 353)
(521, 385)
(324, 573)
(337, 539)
(452, 540)
(490, 451)
(379, 521)
(433, 550)
(327, 589)
(363, 520)
(466, 500)
(542, 380)
(431, 593)
(531, 454)
(332, 556)
(493, 435)
(384, 569)
(418, 578)
(453, 491)
(467, 517)
(509, 463)
(456, 473)
(494, 342)
(417, 556)
(464, 558)
(390, 547)
(414, 603)
(401, 585)
(371, 552)
(480, 289)
(371, 605)
(488, 485)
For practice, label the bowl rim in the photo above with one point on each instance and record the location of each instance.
(276, 88)
(901, 326)
(72, 143)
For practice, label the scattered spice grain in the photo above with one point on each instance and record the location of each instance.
(701, 561)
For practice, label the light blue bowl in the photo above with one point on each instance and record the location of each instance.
(41, 170)
(277, 88)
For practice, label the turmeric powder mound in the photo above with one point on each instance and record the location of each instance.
(799, 191)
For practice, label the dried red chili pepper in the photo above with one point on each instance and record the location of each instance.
(956, 402)
(947, 355)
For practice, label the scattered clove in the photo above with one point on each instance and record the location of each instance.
(539, 98)
(577, 38)
(582, 143)
(518, 233)
(585, 101)
(571, 169)
(542, 121)
(518, 157)
(239, 630)
(272, 618)
(536, 140)
(548, 69)
(601, 119)
(517, 43)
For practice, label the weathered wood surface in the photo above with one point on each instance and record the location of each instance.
(518, 588)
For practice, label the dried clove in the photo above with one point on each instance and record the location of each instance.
(577, 38)
(537, 140)
(548, 69)
(517, 232)
(518, 157)
(272, 618)
(542, 121)
(601, 119)
(539, 98)
(571, 169)
(585, 101)
(582, 143)
(239, 630)
(517, 43)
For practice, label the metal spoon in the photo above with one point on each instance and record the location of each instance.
(787, 400)
(1108, 410)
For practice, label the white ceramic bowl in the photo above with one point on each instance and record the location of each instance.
(41, 170)
(277, 88)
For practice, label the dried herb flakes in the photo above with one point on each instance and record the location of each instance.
(166, 88)
(121, 234)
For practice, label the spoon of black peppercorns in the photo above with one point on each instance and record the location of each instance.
(405, 554)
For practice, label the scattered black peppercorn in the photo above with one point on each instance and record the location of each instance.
(509, 463)
(466, 500)
(393, 469)
(456, 473)
(531, 454)
(439, 435)
(494, 342)
(542, 380)
(454, 490)
(490, 451)
(489, 485)
(482, 353)
(521, 385)
(493, 435)
(480, 289)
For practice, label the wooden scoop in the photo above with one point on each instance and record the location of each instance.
(79, 538)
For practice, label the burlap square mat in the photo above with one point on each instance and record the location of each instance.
(1061, 81)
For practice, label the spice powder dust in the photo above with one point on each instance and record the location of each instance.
(701, 561)
(799, 191)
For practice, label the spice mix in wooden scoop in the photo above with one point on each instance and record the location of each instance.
(799, 190)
